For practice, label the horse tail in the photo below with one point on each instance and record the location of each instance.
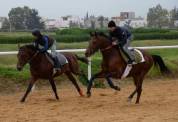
(159, 61)
(82, 59)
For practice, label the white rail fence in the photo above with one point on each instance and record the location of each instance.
(83, 50)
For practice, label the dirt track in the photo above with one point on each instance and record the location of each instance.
(159, 103)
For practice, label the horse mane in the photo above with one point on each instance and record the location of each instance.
(29, 46)
(104, 35)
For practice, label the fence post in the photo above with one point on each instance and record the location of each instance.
(89, 68)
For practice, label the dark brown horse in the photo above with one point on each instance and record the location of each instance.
(113, 65)
(41, 68)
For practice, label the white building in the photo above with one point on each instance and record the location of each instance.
(176, 23)
(64, 22)
(132, 22)
(51, 23)
(127, 15)
(96, 22)
(1, 21)
(137, 23)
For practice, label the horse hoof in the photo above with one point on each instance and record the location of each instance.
(117, 88)
(57, 98)
(81, 94)
(88, 95)
(22, 101)
(129, 100)
(137, 103)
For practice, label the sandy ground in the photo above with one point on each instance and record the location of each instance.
(159, 103)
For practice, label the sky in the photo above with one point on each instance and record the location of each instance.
(108, 8)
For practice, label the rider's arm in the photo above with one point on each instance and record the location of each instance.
(35, 44)
(45, 45)
(122, 37)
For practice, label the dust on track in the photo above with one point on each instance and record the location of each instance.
(159, 103)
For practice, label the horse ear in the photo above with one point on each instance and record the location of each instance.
(18, 45)
(91, 34)
(96, 34)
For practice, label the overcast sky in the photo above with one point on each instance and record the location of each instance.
(57, 8)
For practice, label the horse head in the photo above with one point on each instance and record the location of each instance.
(24, 55)
(98, 41)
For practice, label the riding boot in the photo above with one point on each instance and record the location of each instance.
(57, 65)
(127, 53)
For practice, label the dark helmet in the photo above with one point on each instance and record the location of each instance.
(36, 33)
(111, 24)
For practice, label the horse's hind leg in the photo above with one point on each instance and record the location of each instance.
(31, 83)
(132, 95)
(139, 90)
(82, 74)
(53, 85)
(71, 78)
(111, 84)
(134, 92)
(138, 80)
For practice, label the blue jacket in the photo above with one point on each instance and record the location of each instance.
(44, 42)
(121, 34)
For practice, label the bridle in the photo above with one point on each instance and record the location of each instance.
(31, 59)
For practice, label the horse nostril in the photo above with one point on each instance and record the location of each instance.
(86, 54)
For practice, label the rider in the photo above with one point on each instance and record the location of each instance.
(43, 43)
(121, 37)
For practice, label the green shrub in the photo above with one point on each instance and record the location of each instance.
(152, 36)
(81, 35)
(72, 38)
(149, 30)
(77, 31)
(15, 40)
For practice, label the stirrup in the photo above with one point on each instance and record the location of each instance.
(57, 69)
(132, 63)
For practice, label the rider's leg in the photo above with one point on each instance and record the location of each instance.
(127, 52)
(57, 65)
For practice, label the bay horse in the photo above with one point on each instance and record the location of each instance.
(41, 68)
(113, 64)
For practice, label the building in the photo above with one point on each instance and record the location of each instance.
(1, 21)
(138, 23)
(127, 15)
(129, 19)
(64, 22)
(95, 22)
(176, 23)
(51, 24)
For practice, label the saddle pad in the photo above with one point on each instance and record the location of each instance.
(62, 59)
(139, 58)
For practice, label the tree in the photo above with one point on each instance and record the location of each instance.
(157, 17)
(93, 24)
(101, 20)
(25, 18)
(173, 16)
(5, 24)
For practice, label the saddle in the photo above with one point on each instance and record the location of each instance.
(57, 58)
(137, 54)
(139, 58)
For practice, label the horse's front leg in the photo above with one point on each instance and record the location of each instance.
(97, 75)
(31, 83)
(111, 84)
(53, 85)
